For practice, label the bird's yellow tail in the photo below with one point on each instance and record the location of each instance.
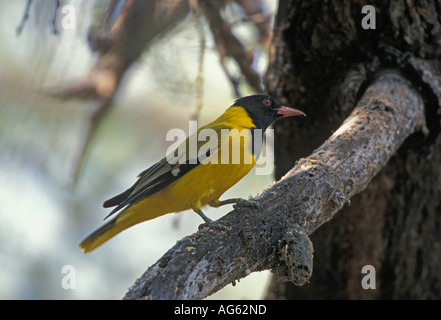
(100, 236)
(107, 231)
(149, 208)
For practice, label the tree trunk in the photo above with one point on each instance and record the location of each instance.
(322, 61)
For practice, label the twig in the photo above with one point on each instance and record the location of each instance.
(54, 16)
(262, 21)
(200, 75)
(228, 45)
(123, 34)
(25, 17)
(306, 197)
(94, 122)
(233, 80)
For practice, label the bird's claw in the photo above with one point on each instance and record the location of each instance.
(214, 225)
(248, 204)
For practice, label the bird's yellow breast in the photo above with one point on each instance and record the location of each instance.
(224, 168)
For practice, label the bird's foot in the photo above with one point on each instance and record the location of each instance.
(239, 202)
(210, 223)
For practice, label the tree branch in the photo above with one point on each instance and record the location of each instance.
(307, 196)
(25, 17)
(228, 45)
(120, 38)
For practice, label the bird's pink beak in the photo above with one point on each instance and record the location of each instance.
(288, 112)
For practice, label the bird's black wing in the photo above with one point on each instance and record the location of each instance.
(118, 199)
(163, 173)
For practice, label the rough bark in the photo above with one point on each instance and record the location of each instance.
(311, 193)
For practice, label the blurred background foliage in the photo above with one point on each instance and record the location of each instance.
(43, 215)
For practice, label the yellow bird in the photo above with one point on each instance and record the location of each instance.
(198, 172)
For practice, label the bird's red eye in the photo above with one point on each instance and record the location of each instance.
(266, 102)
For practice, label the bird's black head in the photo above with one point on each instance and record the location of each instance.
(264, 109)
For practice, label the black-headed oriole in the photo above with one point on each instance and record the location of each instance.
(192, 181)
